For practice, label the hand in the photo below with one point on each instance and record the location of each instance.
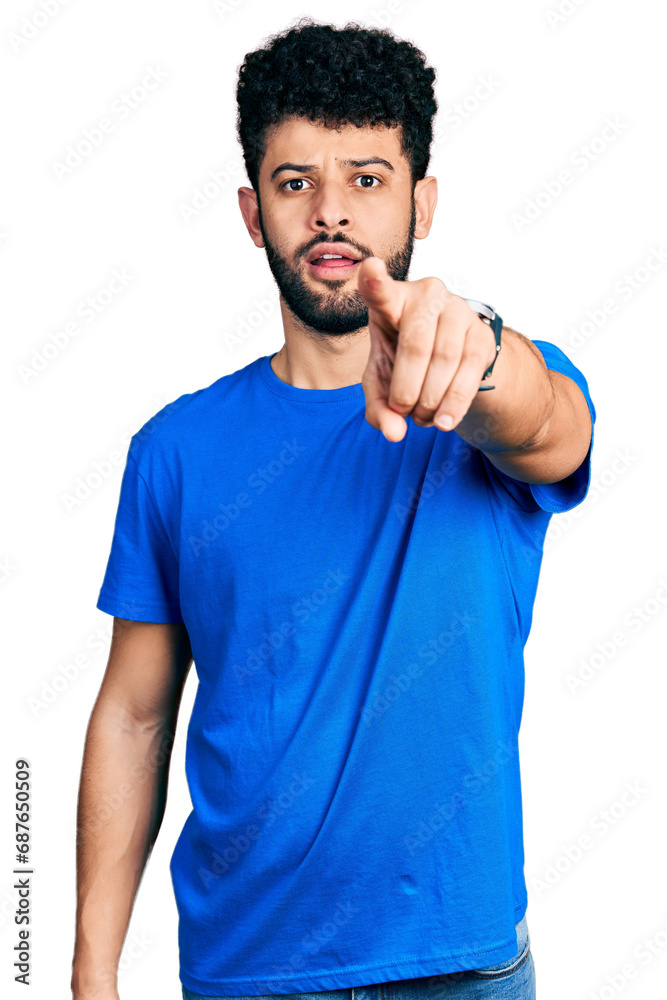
(429, 350)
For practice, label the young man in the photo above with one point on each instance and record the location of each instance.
(353, 578)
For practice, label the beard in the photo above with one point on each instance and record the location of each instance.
(331, 309)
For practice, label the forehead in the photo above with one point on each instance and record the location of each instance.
(303, 141)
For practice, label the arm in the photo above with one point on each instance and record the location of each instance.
(428, 352)
(540, 417)
(123, 789)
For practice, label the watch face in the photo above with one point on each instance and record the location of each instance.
(486, 312)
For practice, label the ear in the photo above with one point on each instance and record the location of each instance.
(250, 213)
(426, 198)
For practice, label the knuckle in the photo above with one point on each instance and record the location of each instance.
(477, 356)
(427, 406)
(444, 355)
(435, 284)
(457, 393)
(402, 401)
(433, 295)
(412, 343)
(421, 323)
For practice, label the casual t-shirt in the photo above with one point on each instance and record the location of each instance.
(357, 610)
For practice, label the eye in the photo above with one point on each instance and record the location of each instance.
(300, 180)
(366, 177)
(293, 180)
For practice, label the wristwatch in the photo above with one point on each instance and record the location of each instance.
(496, 324)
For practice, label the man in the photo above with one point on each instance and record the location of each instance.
(352, 573)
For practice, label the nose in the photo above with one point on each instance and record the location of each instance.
(332, 224)
(330, 207)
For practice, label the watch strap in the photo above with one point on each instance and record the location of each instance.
(486, 312)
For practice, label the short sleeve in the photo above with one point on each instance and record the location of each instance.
(141, 578)
(566, 493)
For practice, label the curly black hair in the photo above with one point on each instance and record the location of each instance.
(335, 76)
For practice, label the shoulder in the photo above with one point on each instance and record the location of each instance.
(187, 418)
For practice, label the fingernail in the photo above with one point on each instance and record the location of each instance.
(444, 422)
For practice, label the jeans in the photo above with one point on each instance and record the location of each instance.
(513, 979)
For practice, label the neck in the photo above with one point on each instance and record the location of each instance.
(312, 360)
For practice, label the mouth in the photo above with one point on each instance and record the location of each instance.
(329, 266)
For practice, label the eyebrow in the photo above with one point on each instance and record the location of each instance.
(305, 168)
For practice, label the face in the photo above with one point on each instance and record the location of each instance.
(317, 186)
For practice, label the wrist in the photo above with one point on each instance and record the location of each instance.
(490, 318)
(94, 980)
(493, 349)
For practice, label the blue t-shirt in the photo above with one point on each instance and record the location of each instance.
(357, 610)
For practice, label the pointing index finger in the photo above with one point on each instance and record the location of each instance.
(380, 292)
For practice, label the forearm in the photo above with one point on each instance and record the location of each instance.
(516, 412)
(122, 797)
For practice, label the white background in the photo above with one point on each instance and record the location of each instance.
(194, 284)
